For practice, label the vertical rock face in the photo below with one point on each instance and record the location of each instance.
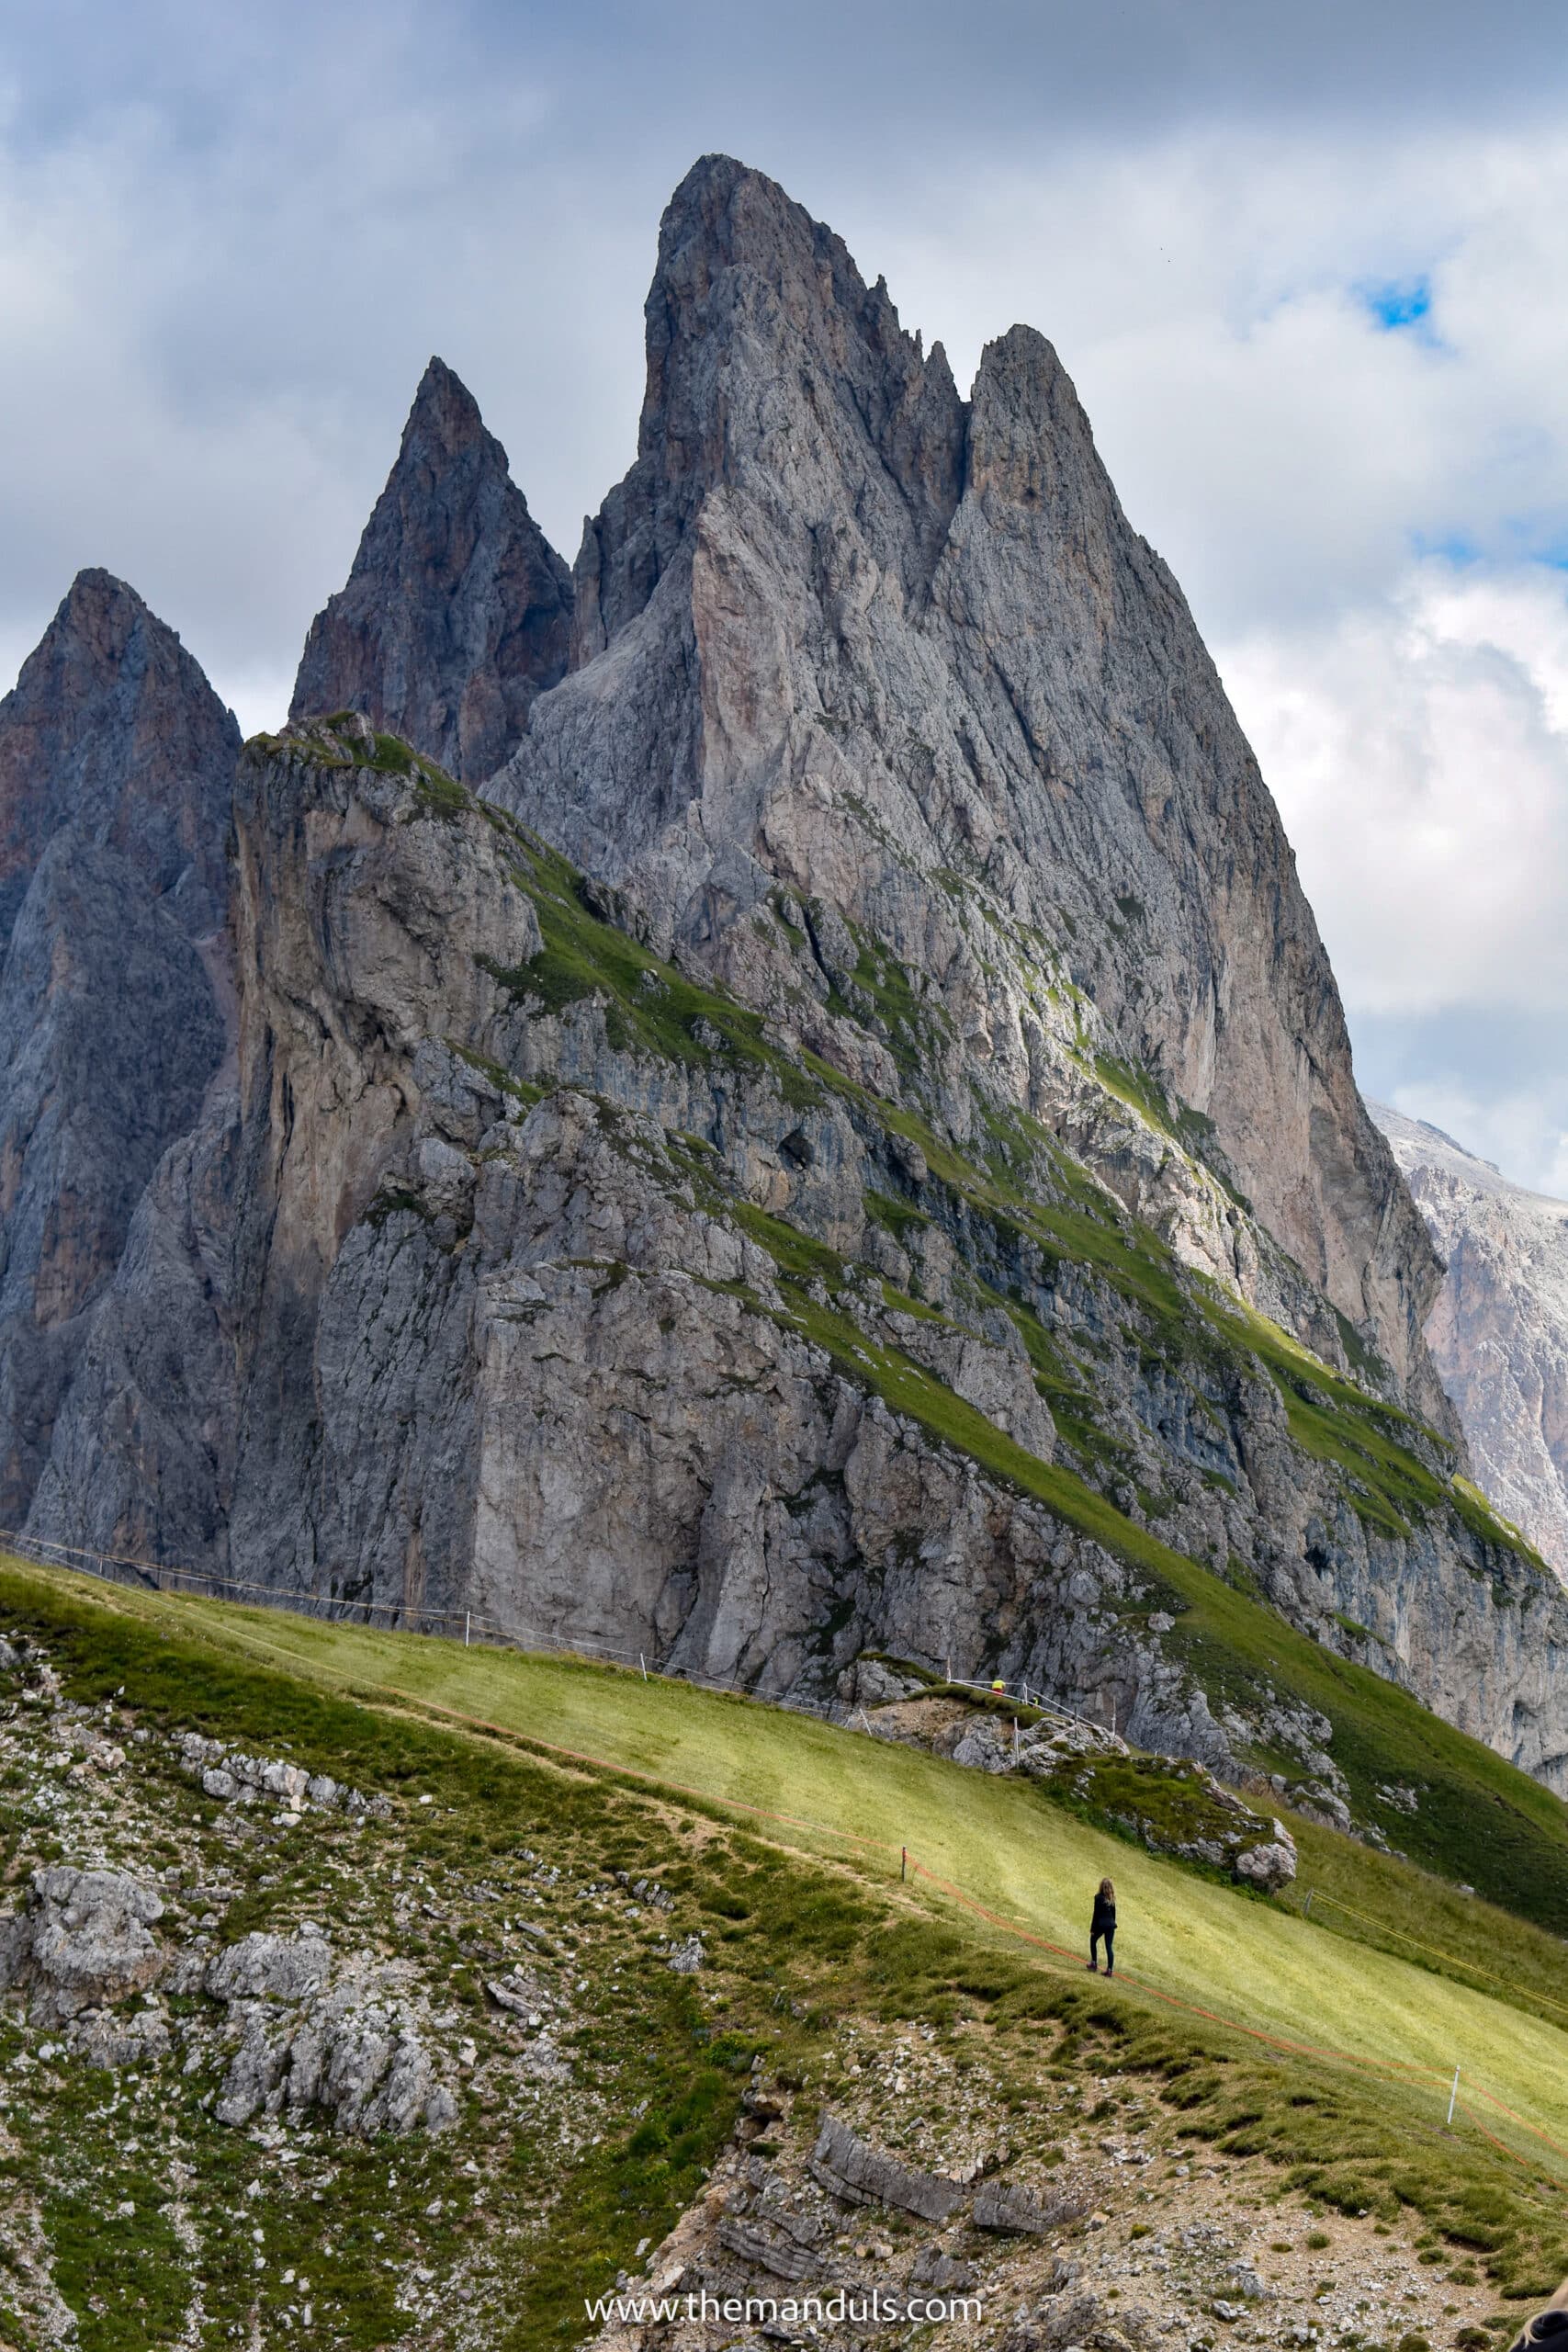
(116, 767)
(109, 1033)
(1499, 1330)
(113, 730)
(842, 632)
(458, 610)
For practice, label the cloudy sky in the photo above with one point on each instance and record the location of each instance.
(1306, 267)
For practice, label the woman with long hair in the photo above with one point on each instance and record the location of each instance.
(1549, 2328)
(1103, 1924)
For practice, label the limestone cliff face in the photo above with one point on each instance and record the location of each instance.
(115, 765)
(1499, 1330)
(112, 730)
(521, 1273)
(842, 632)
(458, 610)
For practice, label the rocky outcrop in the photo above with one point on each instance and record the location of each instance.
(317, 2033)
(1498, 1332)
(858, 2173)
(113, 732)
(849, 645)
(1170, 1804)
(457, 611)
(86, 1938)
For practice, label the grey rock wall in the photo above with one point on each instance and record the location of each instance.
(110, 1033)
(116, 995)
(467, 1282)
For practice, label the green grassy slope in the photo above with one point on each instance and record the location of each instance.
(1374, 1898)
(827, 1790)
(1481, 1821)
(808, 1925)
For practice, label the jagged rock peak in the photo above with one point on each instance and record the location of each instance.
(755, 307)
(842, 632)
(457, 611)
(726, 216)
(113, 729)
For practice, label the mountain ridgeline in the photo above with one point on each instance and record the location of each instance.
(772, 1098)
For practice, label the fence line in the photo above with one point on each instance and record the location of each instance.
(157, 1576)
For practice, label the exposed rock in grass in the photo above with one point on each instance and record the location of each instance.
(851, 2169)
(1271, 1866)
(226, 1774)
(356, 2051)
(84, 1937)
(1169, 1803)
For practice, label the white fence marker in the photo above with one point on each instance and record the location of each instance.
(1453, 2096)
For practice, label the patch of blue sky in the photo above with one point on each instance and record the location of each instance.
(1542, 538)
(1515, 541)
(1449, 548)
(1399, 302)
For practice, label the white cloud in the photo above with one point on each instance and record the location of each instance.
(1418, 750)
(1281, 449)
(228, 247)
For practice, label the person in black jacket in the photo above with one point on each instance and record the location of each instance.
(1548, 2328)
(1103, 1924)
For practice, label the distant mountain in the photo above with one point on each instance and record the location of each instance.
(458, 610)
(1499, 1330)
(851, 1145)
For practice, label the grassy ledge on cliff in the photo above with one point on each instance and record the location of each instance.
(1395, 1470)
